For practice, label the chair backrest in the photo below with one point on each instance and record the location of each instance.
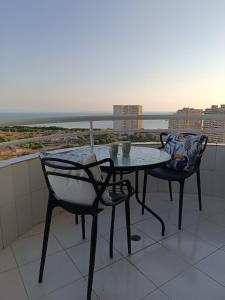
(195, 156)
(76, 182)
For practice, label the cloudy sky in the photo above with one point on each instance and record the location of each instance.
(85, 56)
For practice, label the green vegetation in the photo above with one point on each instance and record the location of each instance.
(135, 138)
(104, 139)
(3, 139)
(42, 128)
(59, 140)
(32, 146)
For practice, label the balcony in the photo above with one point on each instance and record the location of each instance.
(181, 265)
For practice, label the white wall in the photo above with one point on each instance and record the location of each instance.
(23, 198)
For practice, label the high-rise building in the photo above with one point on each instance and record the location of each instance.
(186, 123)
(210, 126)
(125, 125)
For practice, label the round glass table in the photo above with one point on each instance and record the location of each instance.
(140, 158)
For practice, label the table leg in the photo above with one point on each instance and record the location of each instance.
(114, 180)
(144, 206)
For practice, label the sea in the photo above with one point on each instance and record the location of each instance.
(147, 124)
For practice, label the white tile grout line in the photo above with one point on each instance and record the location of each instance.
(184, 259)
(62, 251)
(158, 289)
(64, 286)
(189, 266)
(201, 238)
(205, 273)
(21, 277)
(34, 260)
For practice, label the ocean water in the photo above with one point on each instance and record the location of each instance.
(147, 124)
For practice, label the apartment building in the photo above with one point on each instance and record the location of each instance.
(125, 125)
(186, 123)
(210, 126)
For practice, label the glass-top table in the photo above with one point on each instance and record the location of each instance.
(139, 158)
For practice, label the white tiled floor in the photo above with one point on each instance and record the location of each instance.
(186, 264)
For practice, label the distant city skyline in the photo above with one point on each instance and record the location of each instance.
(86, 56)
(213, 128)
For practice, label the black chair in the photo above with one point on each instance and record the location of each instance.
(179, 176)
(60, 168)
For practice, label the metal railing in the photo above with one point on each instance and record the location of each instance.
(95, 118)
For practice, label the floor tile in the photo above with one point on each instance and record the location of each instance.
(189, 217)
(152, 228)
(158, 269)
(212, 207)
(63, 219)
(121, 281)
(158, 203)
(76, 290)
(136, 212)
(157, 295)
(120, 240)
(188, 246)
(214, 266)
(80, 255)
(104, 220)
(33, 231)
(59, 271)
(215, 201)
(218, 218)
(11, 286)
(70, 234)
(193, 284)
(208, 231)
(7, 260)
(29, 249)
(158, 264)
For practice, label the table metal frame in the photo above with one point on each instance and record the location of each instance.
(123, 170)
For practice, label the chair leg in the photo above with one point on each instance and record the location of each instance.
(45, 240)
(83, 226)
(144, 191)
(112, 232)
(180, 203)
(121, 178)
(92, 254)
(76, 219)
(199, 189)
(127, 210)
(170, 189)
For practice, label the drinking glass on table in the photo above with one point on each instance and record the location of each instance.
(113, 149)
(126, 147)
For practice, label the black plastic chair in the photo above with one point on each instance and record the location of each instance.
(171, 175)
(55, 167)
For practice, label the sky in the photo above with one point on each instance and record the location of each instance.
(85, 56)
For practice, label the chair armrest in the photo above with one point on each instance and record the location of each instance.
(162, 134)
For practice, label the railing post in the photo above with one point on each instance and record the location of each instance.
(91, 134)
